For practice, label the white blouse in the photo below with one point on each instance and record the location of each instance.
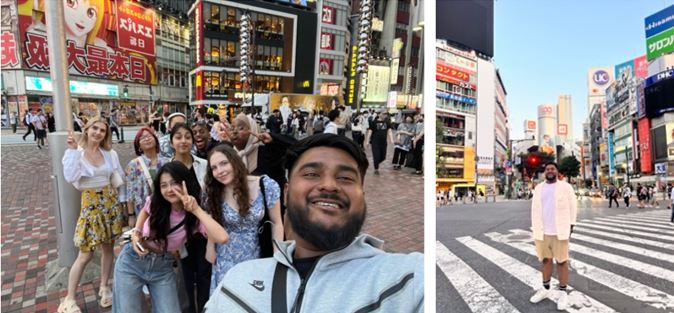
(77, 171)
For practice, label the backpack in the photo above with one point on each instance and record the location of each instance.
(318, 124)
(25, 120)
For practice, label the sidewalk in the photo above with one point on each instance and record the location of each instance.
(394, 199)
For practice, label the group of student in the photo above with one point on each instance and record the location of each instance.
(203, 213)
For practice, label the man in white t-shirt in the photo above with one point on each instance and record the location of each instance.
(553, 214)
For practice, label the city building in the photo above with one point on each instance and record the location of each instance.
(334, 42)
(284, 38)
(132, 59)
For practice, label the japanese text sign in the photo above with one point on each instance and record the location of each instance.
(135, 27)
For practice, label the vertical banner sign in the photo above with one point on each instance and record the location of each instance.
(135, 28)
(352, 87)
(327, 41)
(395, 66)
(644, 127)
(325, 66)
(641, 67)
(199, 33)
(9, 48)
(91, 45)
(611, 158)
(328, 15)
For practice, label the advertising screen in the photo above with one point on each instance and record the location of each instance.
(470, 23)
(91, 45)
(644, 128)
(659, 96)
(378, 82)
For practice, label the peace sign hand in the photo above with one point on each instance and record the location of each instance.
(189, 203)
(72, 144)
(263, 137)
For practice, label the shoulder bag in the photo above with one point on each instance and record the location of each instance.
(264, 231)
(146, 172)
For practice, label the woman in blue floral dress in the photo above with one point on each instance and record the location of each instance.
(235, 200)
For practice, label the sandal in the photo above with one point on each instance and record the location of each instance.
(68, 306)
(106, 297)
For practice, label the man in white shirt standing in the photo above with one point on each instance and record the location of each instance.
(553, 214)
(40, 123)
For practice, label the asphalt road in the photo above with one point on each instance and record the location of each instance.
(621, 259)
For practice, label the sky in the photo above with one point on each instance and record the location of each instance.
(544, 48)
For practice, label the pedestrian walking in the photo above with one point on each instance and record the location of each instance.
(13, 121)
(274, 122)
(239, 201)
(169, 219)
(553, 215)
(642, 194)
(403, 142)
(378, 135)
(325, 252)
(113, 120)
(627, 193)
(28, 122)
(39, 122)
(93, 168)
(332, 127)
(418, 146)
(357, 130)
(613, 196)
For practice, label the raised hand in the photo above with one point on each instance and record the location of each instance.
(264, 138)
(72, 144)
(189, 203)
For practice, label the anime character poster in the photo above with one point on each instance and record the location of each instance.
(93, 30)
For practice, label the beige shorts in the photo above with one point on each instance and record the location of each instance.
(551, 247)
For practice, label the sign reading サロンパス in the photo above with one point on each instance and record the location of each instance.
(91, 47)
(135, 27)
(659, 29)
(660, 44)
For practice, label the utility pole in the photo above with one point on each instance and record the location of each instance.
(67, 197)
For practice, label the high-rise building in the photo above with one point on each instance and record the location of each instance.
(334, 43)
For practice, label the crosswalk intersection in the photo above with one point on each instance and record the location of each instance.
(622, 263)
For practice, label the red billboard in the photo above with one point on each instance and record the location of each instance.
(135, 27)
(644, 128)
(328, 15)
(91, 41)
(450, 74)
(325, 66)
(641, 67)
(327, 41)
(8, 56)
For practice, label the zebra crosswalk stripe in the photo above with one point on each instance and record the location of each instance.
(645, 218)
(625, 231)
(628, 287)
(530, 276)
(663, 225)
(621, 224)
(666, 257)
(649, 269)
(479, 295)
(625, 238)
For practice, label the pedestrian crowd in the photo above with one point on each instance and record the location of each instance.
(218, 210)
(646, 195)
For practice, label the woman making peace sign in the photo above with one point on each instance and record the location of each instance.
(163, 226)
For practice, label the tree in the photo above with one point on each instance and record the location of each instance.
(569, 166)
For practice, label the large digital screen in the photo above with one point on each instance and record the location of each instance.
(469, 23)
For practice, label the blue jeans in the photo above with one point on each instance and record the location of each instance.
(153, 270)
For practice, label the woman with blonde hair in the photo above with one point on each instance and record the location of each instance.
(93, 168)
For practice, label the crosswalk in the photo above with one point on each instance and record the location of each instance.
(622, 263)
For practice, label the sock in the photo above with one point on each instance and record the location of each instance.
(562, 288)
(546, 284)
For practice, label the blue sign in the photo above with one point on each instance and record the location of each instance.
(626, 66)
(659, 77)
(611, 158)
(659, 21)
(449, 96)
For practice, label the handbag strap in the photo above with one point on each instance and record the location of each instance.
(278, 289)
(264, 196)
(174, 228)
(146, 172)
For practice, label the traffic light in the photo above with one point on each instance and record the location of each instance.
(125, 92)
(244, 40)
(364, 31)
(533, 160)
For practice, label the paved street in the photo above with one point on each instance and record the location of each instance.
(621, 259)
(395, 214)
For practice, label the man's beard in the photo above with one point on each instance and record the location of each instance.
(551, 178)
(322, 237)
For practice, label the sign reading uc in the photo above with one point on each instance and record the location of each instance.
(601, 77)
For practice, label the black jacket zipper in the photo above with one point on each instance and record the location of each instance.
(297, 305)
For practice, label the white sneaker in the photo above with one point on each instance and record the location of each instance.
(562, 301)
(540, 295)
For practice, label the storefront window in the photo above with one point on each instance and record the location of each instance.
(231, 19)
(215, 14)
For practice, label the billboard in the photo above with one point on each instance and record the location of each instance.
(611, 157)
(378, 82)
(469, 23)
(659, 94)
(325, 66)
(547, 128)
(328, 15)
(97, 43)
(458, 58)
(598, 79)
(641, 67)
(662, 43)
(659, 22)
(288, 102)
(644, 128)
(624, 70)
(669, 131)
(448, 73)
(9, 52)
(530, 125)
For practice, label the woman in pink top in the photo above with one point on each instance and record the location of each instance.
(169, 219)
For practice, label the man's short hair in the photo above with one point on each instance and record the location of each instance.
(330, 141)
(551, 163)
(276, 111)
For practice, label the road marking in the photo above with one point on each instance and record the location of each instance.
(625, 238)
(620, 224)
(666, 257)
(628, 287)
(660, 223)
(666, 228)
(578, 302)
(475, 291)
(625, 231)
(649, 269)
